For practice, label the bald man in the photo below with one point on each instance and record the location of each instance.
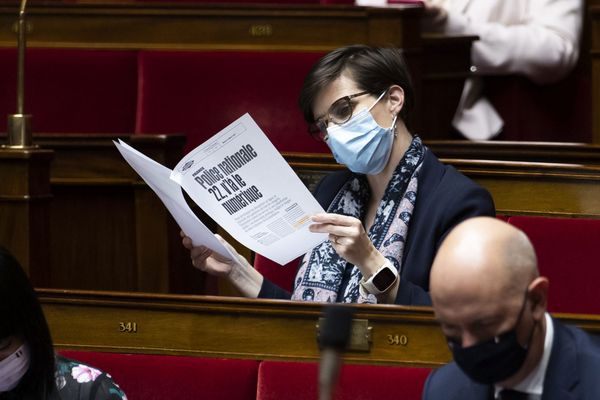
(491, 304)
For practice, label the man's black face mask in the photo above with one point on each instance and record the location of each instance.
(494, 360)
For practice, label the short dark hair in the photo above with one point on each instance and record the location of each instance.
(22, 316)
(374, 69)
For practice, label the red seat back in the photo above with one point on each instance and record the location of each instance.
(147, 377)
(282, 276)
(568, 252)
(72, 90)
(200, 93)
(298, 381)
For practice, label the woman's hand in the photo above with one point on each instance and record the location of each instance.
(238, 271)
(207, 260)
(349, 239)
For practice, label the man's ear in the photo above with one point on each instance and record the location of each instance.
(396, 99)
(538, 296)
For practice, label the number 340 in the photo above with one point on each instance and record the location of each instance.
(397, 340)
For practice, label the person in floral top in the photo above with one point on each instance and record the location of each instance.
(80, 381)
(29, 369)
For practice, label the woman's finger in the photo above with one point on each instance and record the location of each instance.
(334, 219)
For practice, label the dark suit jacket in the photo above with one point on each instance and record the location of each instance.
(573, 372)
(445, 197)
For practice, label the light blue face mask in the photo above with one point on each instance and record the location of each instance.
(360, 143)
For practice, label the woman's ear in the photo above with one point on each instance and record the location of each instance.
(395, 99)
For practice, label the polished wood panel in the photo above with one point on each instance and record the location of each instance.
(24, 208)
(107, 230)
(549, 152)
(518, 187)
(241, 328)
(529, 188)
(213, 26)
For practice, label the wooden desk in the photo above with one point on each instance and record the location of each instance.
(240, 328)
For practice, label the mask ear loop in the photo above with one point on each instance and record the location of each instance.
(393, 127)
(377, 101)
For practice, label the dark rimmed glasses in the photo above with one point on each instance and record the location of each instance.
(339, 113)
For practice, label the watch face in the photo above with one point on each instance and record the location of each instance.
(384, 279)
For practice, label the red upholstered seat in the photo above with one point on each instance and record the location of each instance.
(199, 93)
(282, 276)
(148, 377)
(73, 91)
(568, 252)
(297, 380)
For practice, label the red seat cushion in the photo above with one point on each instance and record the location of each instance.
(298, 380)
(73, 91)
(148, 377)
(200, 93)
(568, 252)
(283, 276)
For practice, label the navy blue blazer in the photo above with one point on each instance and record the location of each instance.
(573, 372)
(445, 197)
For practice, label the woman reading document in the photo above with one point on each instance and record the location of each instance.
(388, 212)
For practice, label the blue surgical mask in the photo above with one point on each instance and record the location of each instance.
(360, 143)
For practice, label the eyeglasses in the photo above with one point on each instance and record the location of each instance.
(339, 113)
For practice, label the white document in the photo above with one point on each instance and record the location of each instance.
(241, 181)
(157, 177)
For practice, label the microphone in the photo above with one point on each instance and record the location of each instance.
(333, 340)
(19, 124)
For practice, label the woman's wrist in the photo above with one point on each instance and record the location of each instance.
(245, 278)
(372, 263)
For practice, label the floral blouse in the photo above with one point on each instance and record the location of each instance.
(82, 382)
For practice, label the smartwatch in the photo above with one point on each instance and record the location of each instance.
(382, 280)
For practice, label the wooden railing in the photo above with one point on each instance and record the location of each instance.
(518, 187)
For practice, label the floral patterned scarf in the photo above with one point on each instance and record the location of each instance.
(325, 276)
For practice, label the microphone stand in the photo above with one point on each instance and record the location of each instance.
(25, 193)
(19, 124)
(333, 339)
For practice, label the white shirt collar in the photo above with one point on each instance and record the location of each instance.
(534, 382)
